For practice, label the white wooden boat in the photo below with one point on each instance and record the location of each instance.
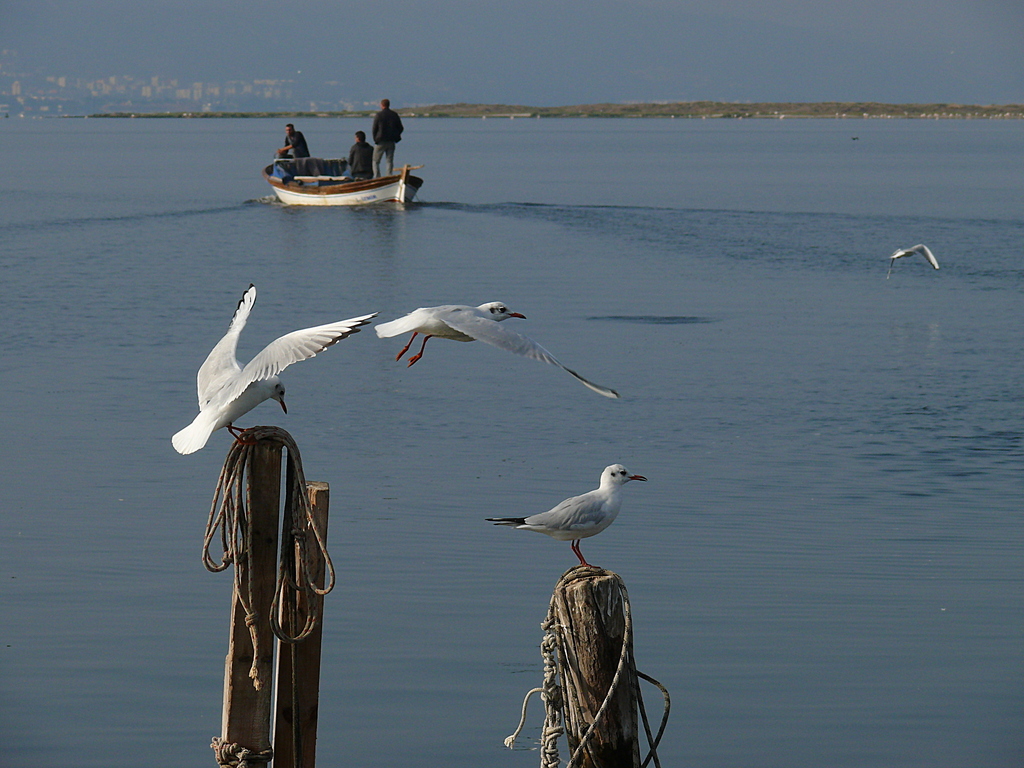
(321, 181)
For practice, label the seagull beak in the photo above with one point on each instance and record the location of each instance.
(637, 477)
(283, 406)
(516, 314)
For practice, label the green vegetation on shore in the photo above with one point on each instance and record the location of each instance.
(682, 109)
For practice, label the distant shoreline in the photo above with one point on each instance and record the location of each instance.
(684, 109)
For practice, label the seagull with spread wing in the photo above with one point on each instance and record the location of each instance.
(920, 248)
(227, 390)
(463, 323)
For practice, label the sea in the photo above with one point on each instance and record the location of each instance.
(825, 567)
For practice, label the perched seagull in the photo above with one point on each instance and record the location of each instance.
(919, 248)
(461, 323)
(227, 390)
(581, 516)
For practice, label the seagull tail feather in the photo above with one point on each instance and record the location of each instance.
(194, 436)
(397, 327)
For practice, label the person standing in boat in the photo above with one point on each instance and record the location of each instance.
(360, 158)
(294, 142)
(387, 131)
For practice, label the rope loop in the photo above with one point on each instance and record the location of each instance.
(231, 755)
(303, 544)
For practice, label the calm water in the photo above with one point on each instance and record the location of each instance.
(825, 567)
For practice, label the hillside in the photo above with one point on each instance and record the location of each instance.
(683, 109)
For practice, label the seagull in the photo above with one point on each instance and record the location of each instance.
(462, 323)
(227, 390)
(919, 248)
(581, 516)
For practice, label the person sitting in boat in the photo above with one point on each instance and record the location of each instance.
(294, 143)
(360, 158)
(387, 131)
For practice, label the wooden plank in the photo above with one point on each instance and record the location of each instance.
(246, 715)
(304, 659)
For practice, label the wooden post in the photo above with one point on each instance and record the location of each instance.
(589, 608)
(246, 715)
(306, 666)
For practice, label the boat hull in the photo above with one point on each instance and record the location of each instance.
(399, 188)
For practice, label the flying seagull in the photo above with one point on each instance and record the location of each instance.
(920, 248)
(462, 323)
(580, 516)
(227, 390)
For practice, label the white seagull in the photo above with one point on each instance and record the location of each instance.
(920, 248)
(581, 516)
(227, 390)
(462, 323)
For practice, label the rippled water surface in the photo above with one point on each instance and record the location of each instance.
(825, 567)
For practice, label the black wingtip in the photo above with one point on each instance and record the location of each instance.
(245, 293)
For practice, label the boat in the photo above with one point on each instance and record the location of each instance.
(322, 181)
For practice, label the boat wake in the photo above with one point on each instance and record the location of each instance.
(82, 221)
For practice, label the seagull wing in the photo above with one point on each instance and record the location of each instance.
(572, 517)
(292, 348)
(497, 335)
(925, 251)
(220, 365)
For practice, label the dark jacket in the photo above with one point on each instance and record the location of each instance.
(360, 160)
(387, 126)
(298, 144)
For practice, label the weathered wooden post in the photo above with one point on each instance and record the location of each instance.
(270, 603)
(250, 660)
(590, 690)
(597, 646)
(298, 667)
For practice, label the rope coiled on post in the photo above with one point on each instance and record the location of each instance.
(229, 516)
(557, 653)
(231, 755)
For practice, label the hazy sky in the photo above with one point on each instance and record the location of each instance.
(545, 53)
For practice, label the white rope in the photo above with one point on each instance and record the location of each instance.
(551, 695)
(511, 740)
(553, 702)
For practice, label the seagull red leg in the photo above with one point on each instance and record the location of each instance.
(406, 347)
(576, 549)
(418, 355)
(237, 432)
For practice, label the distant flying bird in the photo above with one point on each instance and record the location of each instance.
(580, 516)
(920, 248)
(227, 390)
(462, 323)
